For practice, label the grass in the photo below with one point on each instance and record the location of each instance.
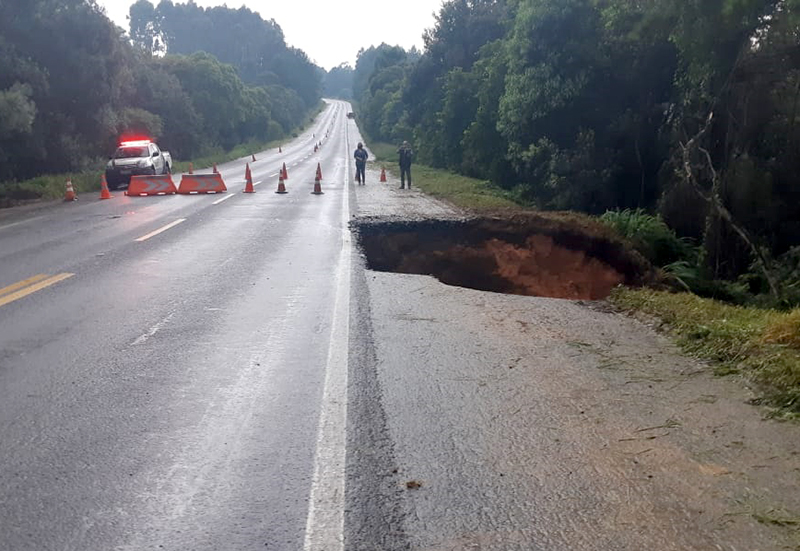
(760, 344)
(461, 191)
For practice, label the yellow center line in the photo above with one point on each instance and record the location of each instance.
(20, 284)
(159, 230)
(33, 288)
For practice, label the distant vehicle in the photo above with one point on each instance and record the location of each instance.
(351, 115)
(136, 158)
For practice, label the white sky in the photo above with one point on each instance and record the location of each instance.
(330, 32)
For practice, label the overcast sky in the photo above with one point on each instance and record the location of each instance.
(330, 32)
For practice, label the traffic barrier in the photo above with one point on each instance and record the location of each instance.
(319, 172)
(104, 193)
(201, 183)
(69, 192)
(383, 174)
(281, 186)
(143, 186)
(317, 187)
(248, 177)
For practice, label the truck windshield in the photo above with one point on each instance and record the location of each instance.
(130, 152)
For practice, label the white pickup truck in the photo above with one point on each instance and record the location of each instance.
(136, 158)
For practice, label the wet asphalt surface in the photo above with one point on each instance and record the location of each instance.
(168, 395)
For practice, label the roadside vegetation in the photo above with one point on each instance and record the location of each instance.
(462, 191)
(180, 77)
(674, 123)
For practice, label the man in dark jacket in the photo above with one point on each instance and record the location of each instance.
(360, 156)
(406, 154)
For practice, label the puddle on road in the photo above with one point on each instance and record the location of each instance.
(550, 255)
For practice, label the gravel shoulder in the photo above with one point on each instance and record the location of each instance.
(532, 423)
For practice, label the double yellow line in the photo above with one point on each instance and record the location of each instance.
(28, 286)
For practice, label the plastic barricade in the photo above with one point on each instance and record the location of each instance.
(201, 183)
(151, 185)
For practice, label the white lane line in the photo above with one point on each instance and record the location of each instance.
(218, 201)
(162, 229)
(20, 222)
(256, 183)
(325, 523)
(153, 330)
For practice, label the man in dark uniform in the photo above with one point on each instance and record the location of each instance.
(361, 156)
(405, 155)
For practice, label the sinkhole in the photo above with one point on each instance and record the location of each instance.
(557, 255)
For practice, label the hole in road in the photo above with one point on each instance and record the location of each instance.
(548, 255)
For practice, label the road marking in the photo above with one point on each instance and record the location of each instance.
(153, 330)
(20, 222)
(325, 522)
(42, 284)
(162, 229)
(20, 284)
(256, 183)
(218, 201)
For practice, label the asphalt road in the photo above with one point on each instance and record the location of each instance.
(165, 362)
(222, 373)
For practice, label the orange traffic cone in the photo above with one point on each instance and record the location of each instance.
(214, 169)
(281, 185)
(104, 193)
(280, 150)
(191, 168)
(315, 148)
(69, 194)
(254, 157)
(317, 187)
(383, 174)
(248, 187)
(319, 172)
(284, 173)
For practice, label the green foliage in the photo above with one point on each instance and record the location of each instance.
(736, 339)
(587, 105)
(71, 83)
(653, 238)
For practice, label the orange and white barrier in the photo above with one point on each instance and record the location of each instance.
(143, 186)
(201, 183)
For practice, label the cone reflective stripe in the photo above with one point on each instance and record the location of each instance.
(317, 187)
(69, 193)
(248, 187)
(281, 185)
(383, 174)
(104, 193)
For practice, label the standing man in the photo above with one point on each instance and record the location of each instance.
(361, 156)
(406, 154)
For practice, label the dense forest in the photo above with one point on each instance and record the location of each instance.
(677, 111)
(71, 82)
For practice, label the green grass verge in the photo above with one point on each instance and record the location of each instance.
(461, 191)
(751, 341)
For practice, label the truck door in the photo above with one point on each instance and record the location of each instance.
(158, 161)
